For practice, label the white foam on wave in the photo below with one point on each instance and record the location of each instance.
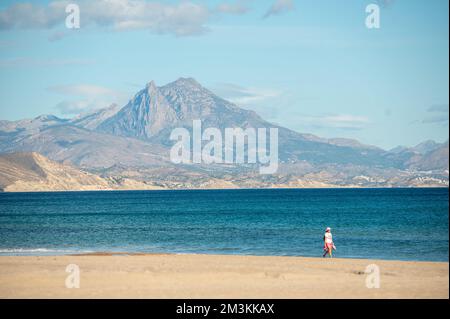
(39, 250)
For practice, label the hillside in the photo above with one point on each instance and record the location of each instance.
(27, 172)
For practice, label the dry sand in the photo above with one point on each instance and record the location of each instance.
(212, 276)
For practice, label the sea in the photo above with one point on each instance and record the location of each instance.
(391, 224)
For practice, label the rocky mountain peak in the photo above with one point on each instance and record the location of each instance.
(151, 86)
(186, 82)
(188, 88)
(154, 110)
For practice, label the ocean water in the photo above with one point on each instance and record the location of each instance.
(399, 224)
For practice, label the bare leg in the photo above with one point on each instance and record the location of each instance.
(326, 250)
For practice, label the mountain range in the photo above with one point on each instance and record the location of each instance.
(132, 142)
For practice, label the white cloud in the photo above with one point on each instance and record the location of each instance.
(279, 106)
(27, 15)
(443, 108)
(337, 121)
(436, 119)
(280, 6)
(85, 90)
(36, 62)
(76, 107)
(346, 121)
(238, 7)
(181, 19)
(244, 96)
(439, 114)
(88, 98)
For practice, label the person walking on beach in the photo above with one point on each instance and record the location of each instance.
(328, 243)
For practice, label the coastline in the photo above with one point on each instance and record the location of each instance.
(137, 275)
(42, 252)
(214, 189)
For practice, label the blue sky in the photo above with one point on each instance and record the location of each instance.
(312, 66)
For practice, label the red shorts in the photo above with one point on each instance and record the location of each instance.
(328, 246)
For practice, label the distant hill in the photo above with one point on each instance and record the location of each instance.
(427, 147)
(433, 159)
(34, 172)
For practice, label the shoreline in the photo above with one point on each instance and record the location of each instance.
(128, 275)
(104, 253)
(217, 189)
(121, 253)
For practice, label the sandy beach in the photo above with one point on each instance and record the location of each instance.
(217, 276)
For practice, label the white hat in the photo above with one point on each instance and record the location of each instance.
(328, 229)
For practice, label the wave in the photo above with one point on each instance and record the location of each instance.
(31, 251)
